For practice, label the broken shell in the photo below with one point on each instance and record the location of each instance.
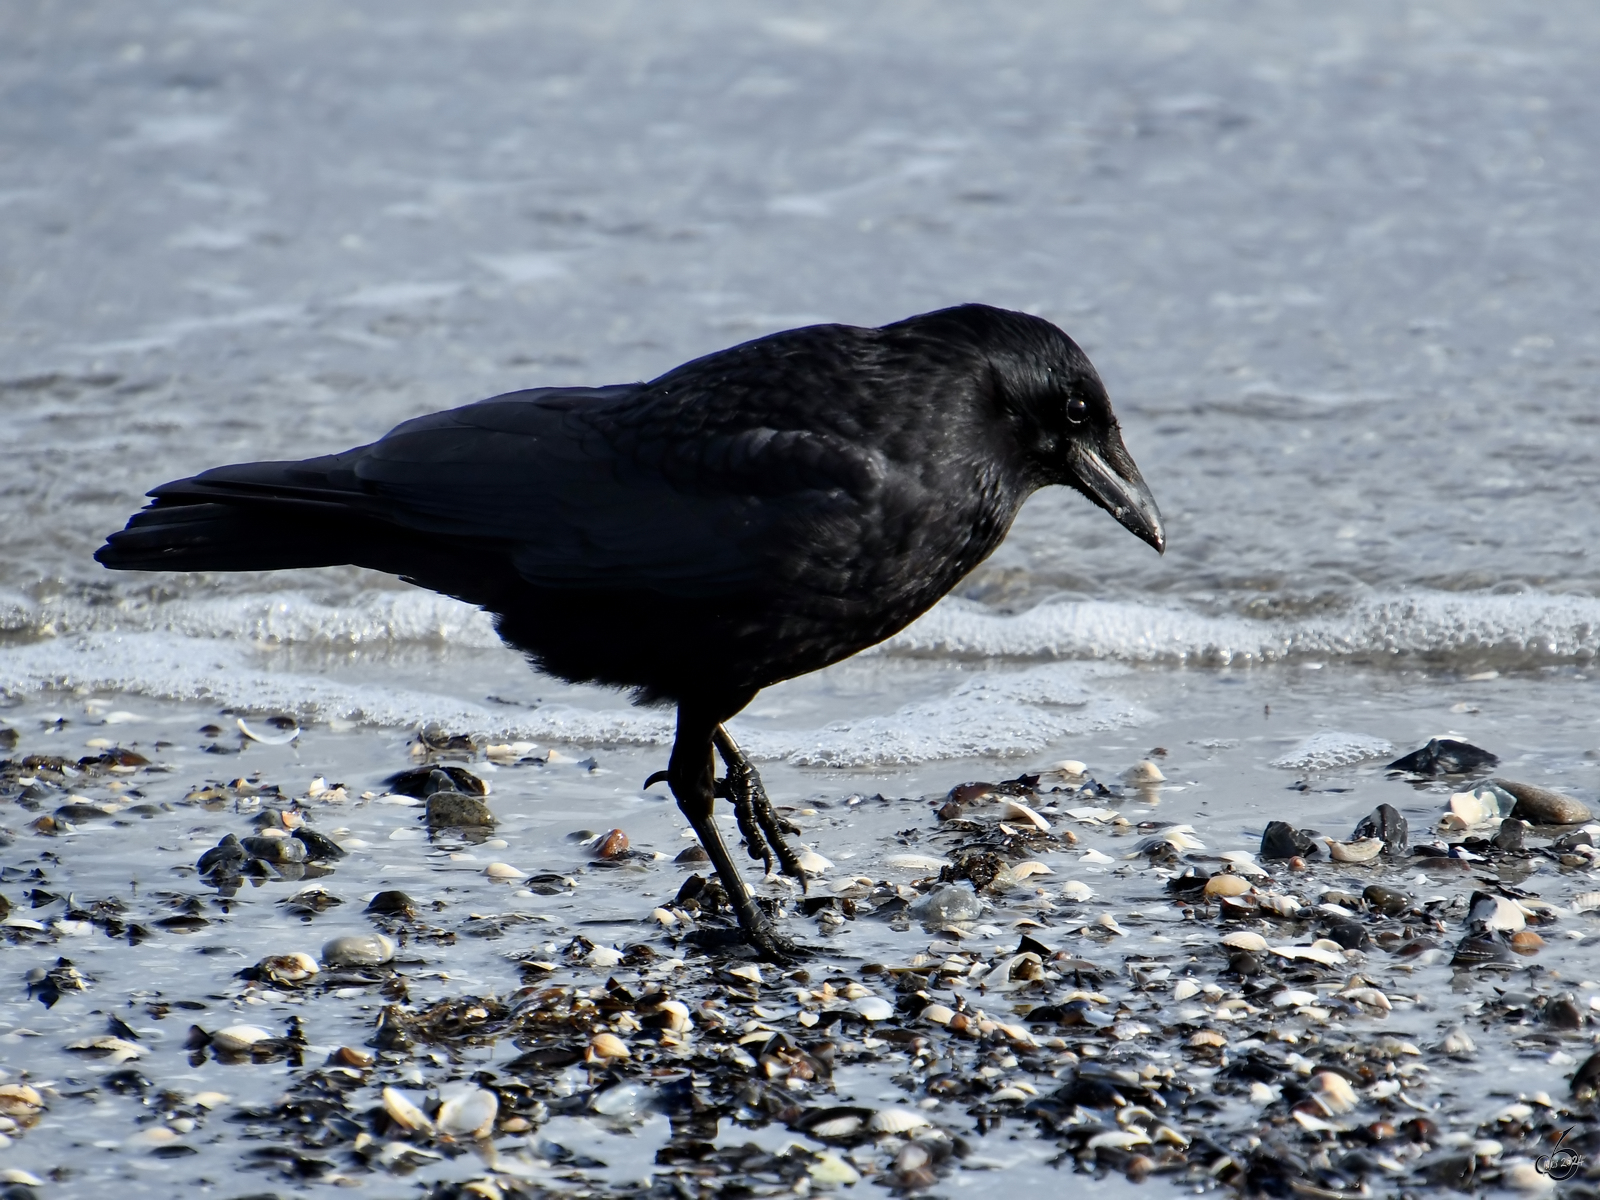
(1227, 885)
(608, 1045)
(288, 968)
(1364, 850)
(236, 1038)
(267, 739)
(916, 862)
(897, 1120)
(1245, 940)
(404, 1113)
(470, 1114)
(358, 950)
(1015, 810)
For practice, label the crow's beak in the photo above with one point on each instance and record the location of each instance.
(1114, 483)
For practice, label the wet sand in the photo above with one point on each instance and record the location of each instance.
(1085, 1021)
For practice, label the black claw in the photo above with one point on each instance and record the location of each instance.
(658, 777)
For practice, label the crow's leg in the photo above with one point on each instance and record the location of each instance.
(751, 804)
(692, 775)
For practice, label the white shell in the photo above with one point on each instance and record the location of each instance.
(1142, 772)
(836, 1127)
(874, 1008)
(1016, 810)
(238, 1037)
(1334, 1093)
(897, 1120)
(1245, 940)
(1118, 1139)
(404, 1113)
(268, 739)
(916, 862)
(470, 1114)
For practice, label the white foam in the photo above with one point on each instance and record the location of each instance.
(1004, 712)
(1331, 748)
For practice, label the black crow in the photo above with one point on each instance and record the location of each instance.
(747, 517)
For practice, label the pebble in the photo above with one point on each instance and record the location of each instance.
(358, 950)
(457, 810)
(1541, 806)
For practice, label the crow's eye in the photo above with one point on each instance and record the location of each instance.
(1077, 411)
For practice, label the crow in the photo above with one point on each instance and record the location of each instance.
(748, 517)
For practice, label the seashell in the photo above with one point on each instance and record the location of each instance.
(1369, 996)
(608, 1045)
(1185, 988)
(1016, 810)
(1245, 940)
(831, 1169)
(1075, 890)
(916, 862)
(813, 863)
(404, 1113)
(837, 1127)
(1364, 850)
(1283, 906)
(897, 1120)
(1118, 1139)
(267, 739)
(288, 968)
(1226, 885)
(469, 1114)
(939, 1014)
(500, 870)
(874, 1008)
(1334, 1093)
(236, 1038)
(1586, 902)
(1142, 773)
(358, 950)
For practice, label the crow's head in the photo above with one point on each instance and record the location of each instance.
(1058, 414)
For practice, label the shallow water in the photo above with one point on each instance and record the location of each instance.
(1336, 268)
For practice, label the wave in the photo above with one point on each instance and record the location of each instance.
(1533, 626)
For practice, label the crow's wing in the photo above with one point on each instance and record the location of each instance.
(620, 487)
